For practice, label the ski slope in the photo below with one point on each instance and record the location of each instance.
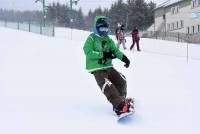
(45, 89)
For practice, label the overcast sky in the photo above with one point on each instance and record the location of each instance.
(84, 4)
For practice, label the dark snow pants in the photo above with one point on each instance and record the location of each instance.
(137, 43)
(112, 84)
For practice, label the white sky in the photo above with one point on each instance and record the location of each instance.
(84, 4)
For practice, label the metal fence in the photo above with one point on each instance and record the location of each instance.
(35, 27)
(173, 36)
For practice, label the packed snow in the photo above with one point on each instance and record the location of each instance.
(45, 89)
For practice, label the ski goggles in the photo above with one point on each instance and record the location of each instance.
(104, 29)
(102, 22)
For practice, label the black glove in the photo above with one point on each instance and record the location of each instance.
(108, 55)
(126, 61)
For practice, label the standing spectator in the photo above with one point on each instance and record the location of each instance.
(135, 38)
(120, 35)
(117, 31)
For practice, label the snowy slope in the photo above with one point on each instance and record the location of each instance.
(45, 89)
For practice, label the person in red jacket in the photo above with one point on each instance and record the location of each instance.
(135, 38)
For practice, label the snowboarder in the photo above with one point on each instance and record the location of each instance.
(99, 50)
(120, 35)
(135, 38)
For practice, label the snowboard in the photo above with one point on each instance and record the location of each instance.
(125, 115)
(129, 113)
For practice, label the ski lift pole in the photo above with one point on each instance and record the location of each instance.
(71, 7)
(71, 21)
(44, 13)
(44, 8)
(71, 18)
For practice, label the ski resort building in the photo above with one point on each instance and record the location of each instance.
(178, 16)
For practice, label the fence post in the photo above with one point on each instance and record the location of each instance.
(187, 53)
(53, 30)
(40, 28)
(188, 50)
(29, 26)
(178, 37)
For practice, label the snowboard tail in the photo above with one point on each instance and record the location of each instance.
(126, 114)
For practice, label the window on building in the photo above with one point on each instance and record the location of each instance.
(193, 29)
(177, 26)
(172, 26)
(195, 3)
(172, 10)
(188, 30)
(175, 10)
(168, 27)
(192, 4)
(198, 27)
(182, 24)
(164, 16)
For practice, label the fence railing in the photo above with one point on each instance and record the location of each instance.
(35, 27)
(173, 36)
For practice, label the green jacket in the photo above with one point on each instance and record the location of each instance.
(93, 49)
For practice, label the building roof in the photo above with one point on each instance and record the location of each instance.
(168, 3)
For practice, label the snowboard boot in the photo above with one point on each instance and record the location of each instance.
(124, 106)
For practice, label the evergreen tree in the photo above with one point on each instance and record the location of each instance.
(89, 20)
(117, 13)
(150, 14)
(131, 13)
(80, 21)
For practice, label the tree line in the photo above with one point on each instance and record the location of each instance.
(13, 15)
(130, 13)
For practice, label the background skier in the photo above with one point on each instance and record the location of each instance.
(99, 50)
(135, 38)
(120, 35)
(117, 31)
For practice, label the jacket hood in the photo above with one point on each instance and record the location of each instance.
(96, 18)
(94, 29)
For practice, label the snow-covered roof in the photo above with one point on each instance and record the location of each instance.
(168, 3)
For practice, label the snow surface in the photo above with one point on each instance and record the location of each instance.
(45, 89)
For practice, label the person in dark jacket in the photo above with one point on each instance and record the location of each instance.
(135, 38)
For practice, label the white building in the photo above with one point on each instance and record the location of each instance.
(178, 16)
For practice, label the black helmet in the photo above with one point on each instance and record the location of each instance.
(102, 22)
